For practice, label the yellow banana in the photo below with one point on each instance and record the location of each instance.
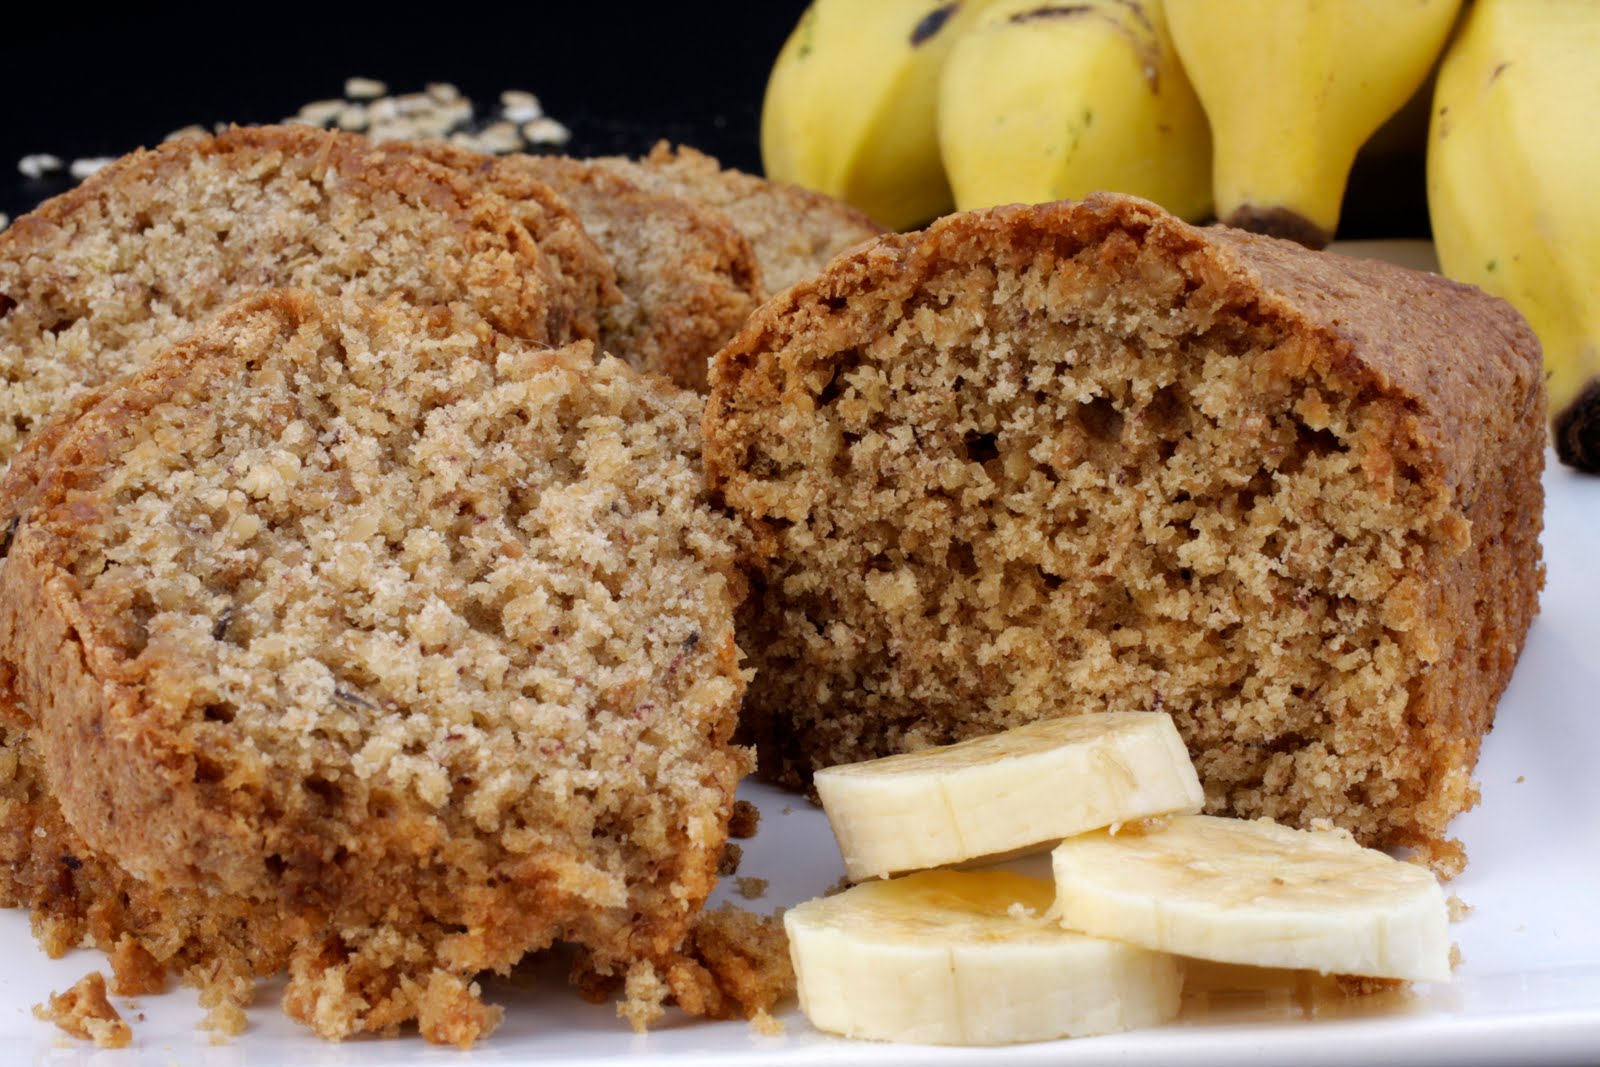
(850, 105)
(1513, 169)
(1293, 88)
(1045, 101)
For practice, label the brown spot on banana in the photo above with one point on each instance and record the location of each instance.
(932, 23)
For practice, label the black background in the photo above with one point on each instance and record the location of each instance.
(76, 82)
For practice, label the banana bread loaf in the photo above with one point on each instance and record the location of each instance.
(396, 649)
(1046, 460)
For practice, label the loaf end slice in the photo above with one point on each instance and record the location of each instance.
(1046, 460)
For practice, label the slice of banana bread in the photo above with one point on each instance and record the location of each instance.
(1084, 457)
(96, 281)
(794, 231)
(397, 648)
(582, 275)
(688, 278)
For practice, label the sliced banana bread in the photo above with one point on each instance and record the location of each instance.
(794, 231)
(97, 280)
(582, 275)
(405, 648)
(688, 278)
(1084, 457)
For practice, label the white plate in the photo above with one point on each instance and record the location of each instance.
(1527, 991)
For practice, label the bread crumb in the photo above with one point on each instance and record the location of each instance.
(644, 993)
(452, 1011)
(225, 1020)
(1455, 956)
(732, 856)
(752, 888)
(1355, 985)
(226, 986)
(134, 972)
(1521, 778)
(765, 1024)
(83, 1011)
(745, 820)
(1459, 909)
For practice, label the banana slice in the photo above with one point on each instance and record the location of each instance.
(967, 958)
(1024, 787)
(1257, 893)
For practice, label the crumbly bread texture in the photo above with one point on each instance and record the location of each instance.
(95, 282)
(688, 278)
(734, 963)
(1084, 457)
(794, 231)
(359, 641)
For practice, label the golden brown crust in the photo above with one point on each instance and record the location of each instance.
(794, 231)
(1045, 460)
(442, 832)
(688, 278)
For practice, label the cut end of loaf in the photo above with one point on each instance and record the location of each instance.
(1037, 462)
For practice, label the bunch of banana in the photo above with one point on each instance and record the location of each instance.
(992, 957)
(1293, 88)
(1049, 101)
(850, 105)
(889, 104)
(1513, 169)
